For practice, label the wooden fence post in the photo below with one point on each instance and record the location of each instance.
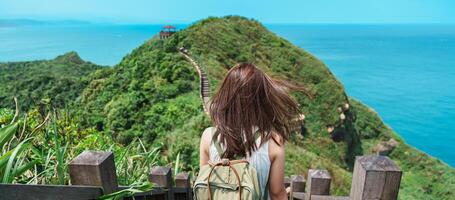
(318, 183)
(297, 184)
(182, 181)
(162, 176)
(287, 182)
(96, 168)
(375, 177)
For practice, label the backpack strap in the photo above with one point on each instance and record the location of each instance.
(217, 145)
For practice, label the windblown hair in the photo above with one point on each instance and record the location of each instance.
(249, 98)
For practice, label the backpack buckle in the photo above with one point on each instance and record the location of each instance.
(225, 162)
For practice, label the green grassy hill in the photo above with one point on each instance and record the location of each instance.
(152, 94)
(60, 80)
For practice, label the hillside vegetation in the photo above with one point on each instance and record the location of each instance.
(61, 79)
(152, 94)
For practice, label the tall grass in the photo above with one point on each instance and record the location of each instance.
(135, 161)
(15, 164)
(12, 160)
(37, 149)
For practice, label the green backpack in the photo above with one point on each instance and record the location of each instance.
(227, 180)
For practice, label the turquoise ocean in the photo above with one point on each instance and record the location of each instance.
(406, 73)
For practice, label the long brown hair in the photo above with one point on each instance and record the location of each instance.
(249, 98)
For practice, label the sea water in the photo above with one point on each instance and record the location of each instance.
(102, 44)
(404, 72)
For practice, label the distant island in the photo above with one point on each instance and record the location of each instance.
(152, 94)
(31, 22)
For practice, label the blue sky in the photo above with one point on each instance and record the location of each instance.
(267, 11)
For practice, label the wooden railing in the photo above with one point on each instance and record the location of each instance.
(93, 174)
(374, 177)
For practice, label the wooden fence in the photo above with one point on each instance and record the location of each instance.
(93, 173)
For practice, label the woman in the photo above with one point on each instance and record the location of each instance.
(247, 102)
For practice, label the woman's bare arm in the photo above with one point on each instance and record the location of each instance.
(276, 176)
(206, 139)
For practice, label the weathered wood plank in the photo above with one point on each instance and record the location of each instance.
(287, 182)
(155, 193)
(297, 184)
(375, 177)
(96, 168)
(162, 176)
(182, 181)
(49, 192)
(318, 182)
(302, 196)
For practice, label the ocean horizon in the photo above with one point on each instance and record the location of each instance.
(406, 73)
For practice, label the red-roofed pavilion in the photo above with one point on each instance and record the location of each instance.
(167, 31)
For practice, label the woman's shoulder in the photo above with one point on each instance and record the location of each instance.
(208, 132)
(210, 129)
(276, 139)
(276, 146)
(206, 137)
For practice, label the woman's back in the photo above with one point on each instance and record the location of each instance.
(250, 98)
(259, 159)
